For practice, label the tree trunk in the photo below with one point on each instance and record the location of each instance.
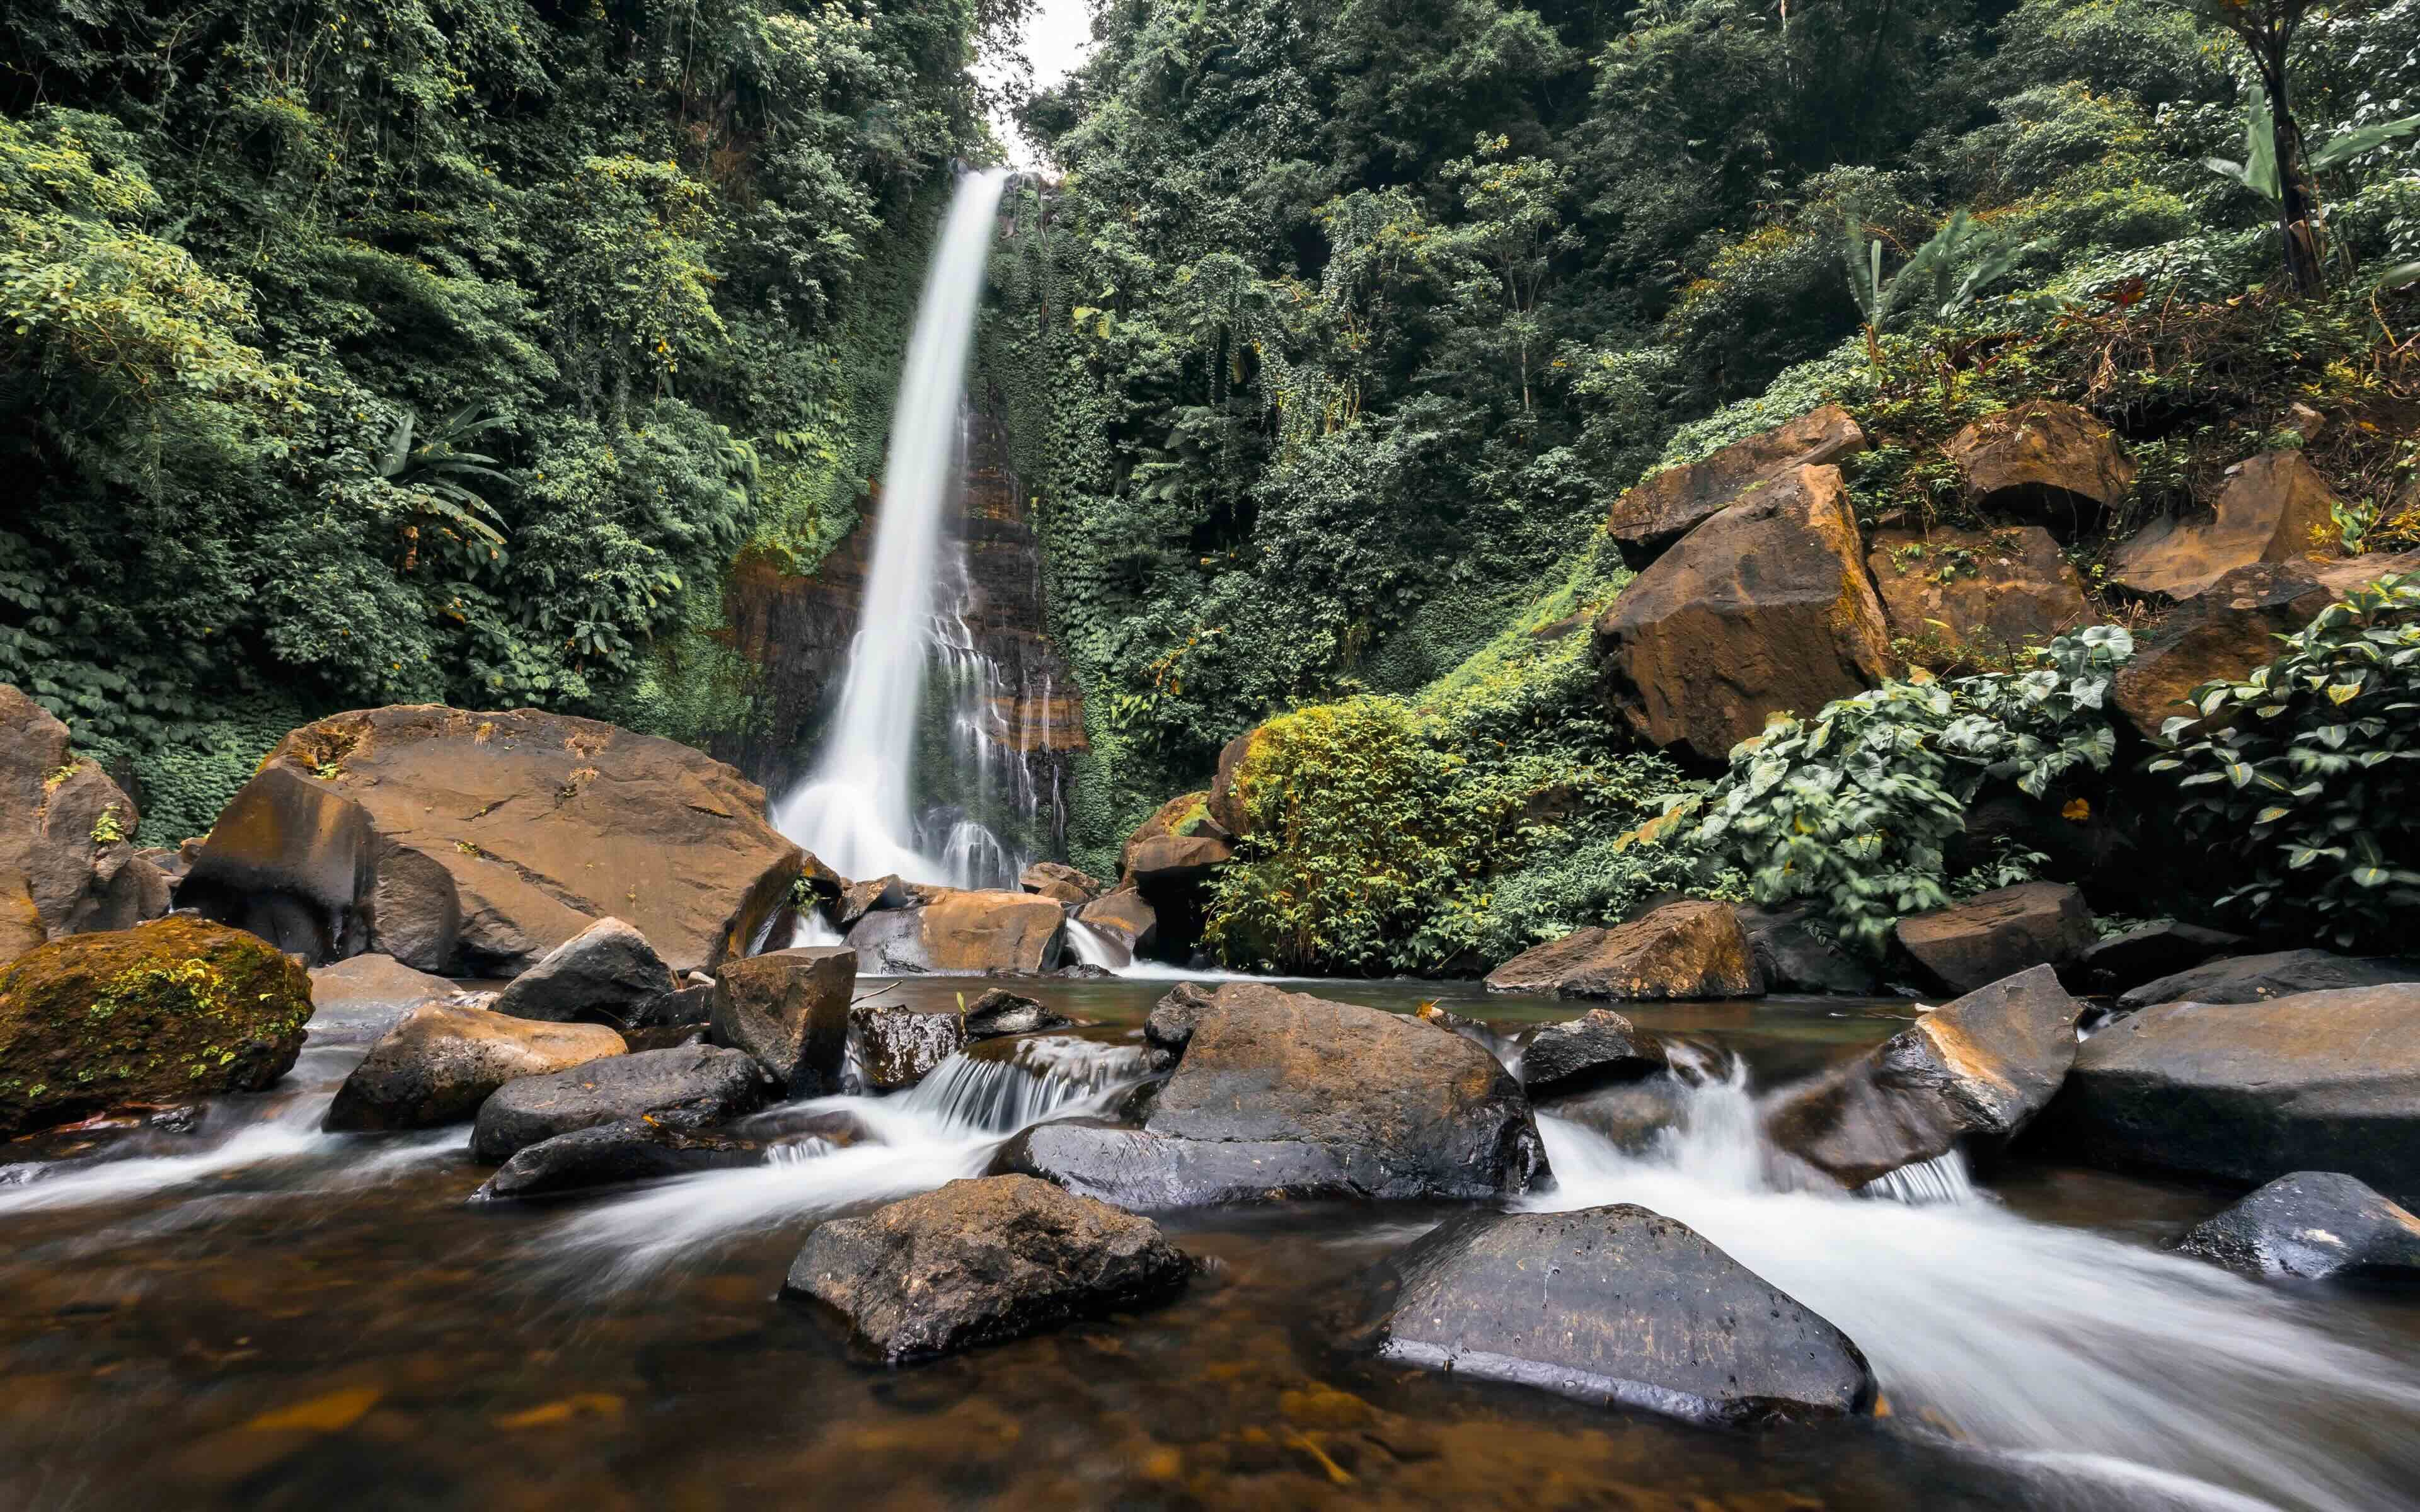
(2298, 201)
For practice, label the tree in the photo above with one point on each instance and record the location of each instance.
(1514, 231)
(2266, 28)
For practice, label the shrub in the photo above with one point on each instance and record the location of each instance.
(2298, 772)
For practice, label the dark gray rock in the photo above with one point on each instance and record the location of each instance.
(604, 972)
(1997, 934)
(981, 1261)
(686, 1089)
(1171, 1024)
(2315, 1225)
(1599, 1046)
(898, 1046)
(789, 1011)
(442, 1062)
(1133, 1169)
(358, 999)
(1616, 1305)
(2251, 979)
(612, 1154)
(999, 1011)
(2152, 951)
(1792, 958)
(692, 1004)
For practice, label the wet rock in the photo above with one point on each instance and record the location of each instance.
(2154, 950)
(679, 1008)
(1972, 1072)
(1999, 934)
(890, 943)
(2043, 462)
(2323, 1081)
(1791, 958)
(794, 1125)
(1125, 919)
(165, 1012)
(1179, 843)
(474, 843)
(980, 1261)
(2317, 1224)
(858, 899)
(68, 862)
(1632, 1116)
(686, 1089)
(1149, 1172)
(1058, 882)
(605, 972)
(1598, 1046)
(664, 1036)
(356, 1000)
(1172, 1018)
(1680, 951)
(896, 1046)
(2251, 978)
(965, 934)
(2231, 627)
(999, 1011)
(1616, 1305)
(612, 1154)
(441, 1062)
(1970, 598)
(2275, 507)
(1669, 505)
(788, 1011)
(1764, 609)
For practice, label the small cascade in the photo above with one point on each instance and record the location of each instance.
(1094, 948)
(1945, 1180)
(1039, 1079)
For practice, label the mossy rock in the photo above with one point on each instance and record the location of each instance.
(165, 1012)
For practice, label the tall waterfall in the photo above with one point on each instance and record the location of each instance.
(856, 810)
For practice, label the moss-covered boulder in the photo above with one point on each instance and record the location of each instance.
(168, 1012)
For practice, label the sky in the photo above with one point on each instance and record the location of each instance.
(1057, 36)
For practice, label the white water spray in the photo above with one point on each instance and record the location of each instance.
(855, 813)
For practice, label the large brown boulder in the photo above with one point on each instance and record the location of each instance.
(1058, 882)
(963, 934)
(788, 1011)
(1181, 842)
(474, 843)
(1999, 934)
(67, 853)
(1975, 1070)
(441, 1062)
(1764, 609)
(2045, 463)
(1125, 919)
(1972, 598)
(2232, 626)
(168, 1012)
(2325, 1081)
(2275, 507)
(1671, 503)
(1680, 951)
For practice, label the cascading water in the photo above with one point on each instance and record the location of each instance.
(855, 812)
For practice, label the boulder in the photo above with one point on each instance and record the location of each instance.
(2319, 1225)
(2153, 951)
(686, 1089)
(1999, 934)
(606, 971)
(473, 844)
(1124, 919)
(612, 1154)
(2230, 627)
(1172, 1018)
(165, 1012)
(68, 862)
(1230, 806)
(441, 1062)
(1791, 958)
(2253, 979)
(1669, 504)
(965, 934)
(788, 1012)
(1597, 1047)
(999, 1011)
(857, 899)
(981, 1261)
(1680, 951)
(679, 1008)
(1969, 598)
(1058, 882)
(360, 998)
(2275, 507)
(2044, 463)
(1134, 1168)
(1972, 1072)
(2323, 1081)
(895, 1046)
(1615, 1306)
(1179, 843)
(1764, 609)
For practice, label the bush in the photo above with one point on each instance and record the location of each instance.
(2298, 774)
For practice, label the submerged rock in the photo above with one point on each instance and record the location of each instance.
(981, 1261)
(789, 1009)
(165, 1012)
(685, 1089)
(1979, 1069)
(612, 1154)
(606, 971)
(1680, 951)
(1598, 1046)
(441, 1062)
(2253, 979)
(999, 1011)
(1616, 1305)
(896, 1046)
(1999, 934)
(2315, 1225)
(2324, 1081)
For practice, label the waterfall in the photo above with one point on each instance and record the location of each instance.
(856, 809)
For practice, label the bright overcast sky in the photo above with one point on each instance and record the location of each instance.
(1057, 36)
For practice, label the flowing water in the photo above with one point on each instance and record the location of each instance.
(257, 1314)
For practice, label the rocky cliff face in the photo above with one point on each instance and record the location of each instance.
(1027, 715)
